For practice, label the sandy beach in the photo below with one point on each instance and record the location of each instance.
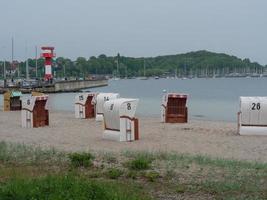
(215, 139)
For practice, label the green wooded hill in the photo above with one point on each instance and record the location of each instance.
(199, 63)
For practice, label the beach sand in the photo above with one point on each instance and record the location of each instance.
(215, 139)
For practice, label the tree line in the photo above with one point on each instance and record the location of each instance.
(199, 63)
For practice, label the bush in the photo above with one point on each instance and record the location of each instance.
(114, 173)
(81, 159)
(141, 162)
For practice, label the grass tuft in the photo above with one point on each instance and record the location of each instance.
(81, 159)
(114, 173)
(141, 161)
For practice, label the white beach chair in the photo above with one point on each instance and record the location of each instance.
(34, 112)
(252, 117)
(120, 123)
(84, 106)
(99, 101)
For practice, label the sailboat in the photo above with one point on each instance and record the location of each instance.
(144, 77)
(176, 77)
(117, 77)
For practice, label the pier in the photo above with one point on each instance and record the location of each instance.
(61, 86)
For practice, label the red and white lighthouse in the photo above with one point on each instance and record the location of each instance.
(48, 55)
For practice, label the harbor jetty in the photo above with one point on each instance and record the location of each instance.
(56, 87)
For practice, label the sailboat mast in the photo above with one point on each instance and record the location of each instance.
(12, 52)
(27, 64)
(27, 69)
(36, 73)
(144, 68)
(4, 69)
(126, 72)
(117, 66)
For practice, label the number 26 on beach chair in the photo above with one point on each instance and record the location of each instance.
(252, 116)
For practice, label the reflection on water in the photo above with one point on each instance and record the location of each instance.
(211, 99)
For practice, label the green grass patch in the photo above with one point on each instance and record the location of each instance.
(23, 154)
(185, 159)
(219, 187)
(232, 189)
(180, 175)
(68, 187)
(81, 159)
(140, 162)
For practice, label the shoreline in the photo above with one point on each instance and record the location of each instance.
(141, 115)
(198, 137)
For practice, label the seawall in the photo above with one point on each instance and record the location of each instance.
(62, 86)
(76, 85)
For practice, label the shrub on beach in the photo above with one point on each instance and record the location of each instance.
(81, 159)
(141, 162)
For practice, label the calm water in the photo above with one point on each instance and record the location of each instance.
(209, 99)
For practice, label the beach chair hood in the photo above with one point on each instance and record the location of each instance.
(116, 109)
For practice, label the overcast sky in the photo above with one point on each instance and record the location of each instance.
(134, 27)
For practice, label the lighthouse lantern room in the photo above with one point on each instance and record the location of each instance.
(48, 55)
